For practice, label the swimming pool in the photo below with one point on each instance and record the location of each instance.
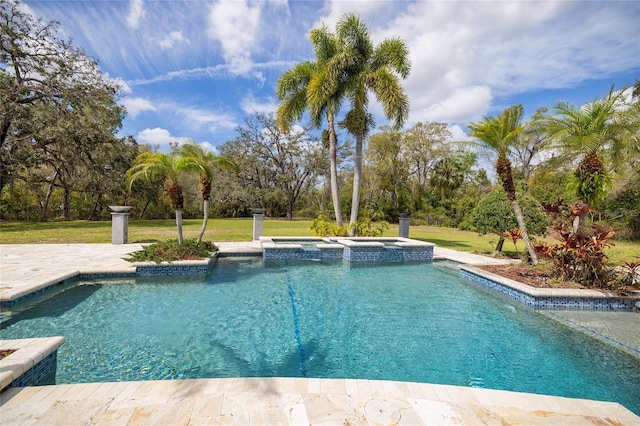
(410, 322)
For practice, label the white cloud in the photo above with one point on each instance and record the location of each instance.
(373, 13)
(214, 72)
(136, 13)
(461, 106)
(172, 39)
(135, 106)
(198, 118)
(207, 146)
(458, 134)
(235, 26)
(158, 136)
(122, 85)
(250, 105)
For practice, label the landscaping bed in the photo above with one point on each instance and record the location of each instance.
(540, 276)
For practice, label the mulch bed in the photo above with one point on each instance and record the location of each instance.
(6, 352)
(535, 276)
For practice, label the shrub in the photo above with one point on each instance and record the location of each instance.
(494, 214)
(369, 228)
(170, 250)
(322, 227)
(579, 255)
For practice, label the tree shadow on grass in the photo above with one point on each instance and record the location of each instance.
(453, 244)
(22, 226)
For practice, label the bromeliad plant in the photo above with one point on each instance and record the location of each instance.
(632, 270)
(514, 236)
(579, 256)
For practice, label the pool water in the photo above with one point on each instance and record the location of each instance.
(411, 322)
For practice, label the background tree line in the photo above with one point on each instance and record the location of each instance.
(61, 157)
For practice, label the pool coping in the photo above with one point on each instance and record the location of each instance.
(28, 353)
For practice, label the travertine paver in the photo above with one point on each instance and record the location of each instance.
(193, 402)
(258, 401)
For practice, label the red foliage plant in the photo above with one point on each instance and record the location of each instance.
(514, 236)
(579, 254)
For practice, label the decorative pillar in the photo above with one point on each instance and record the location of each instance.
(258, 219)
(120, 224)
(403, 226)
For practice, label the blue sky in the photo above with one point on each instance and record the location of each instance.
(195, 69)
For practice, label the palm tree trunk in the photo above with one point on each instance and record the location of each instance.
(179, 224)
(523, 228)
(357, 180)
(205, 219)
(333, 160)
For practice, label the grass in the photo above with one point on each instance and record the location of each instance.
(242, 229)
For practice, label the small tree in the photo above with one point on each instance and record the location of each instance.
(500, 134)
(194, 158)
(494, 214)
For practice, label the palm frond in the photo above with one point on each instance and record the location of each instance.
(391, 95)
(392, 53)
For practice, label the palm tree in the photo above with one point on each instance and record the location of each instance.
(150, 165)
(447, 174)
(365, 68)
(601, 132)
(194, 158)
(499, 134)
(310, 87)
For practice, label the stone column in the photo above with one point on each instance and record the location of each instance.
(403, 226)
(120, 224)
(258, 218)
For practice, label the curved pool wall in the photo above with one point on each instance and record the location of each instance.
(350, 249)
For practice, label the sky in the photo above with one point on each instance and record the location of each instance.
(196, 69)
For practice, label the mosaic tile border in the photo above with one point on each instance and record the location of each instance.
(185, 267)
(39, 373)
(554, 302)
(11, 302)
(357, 249)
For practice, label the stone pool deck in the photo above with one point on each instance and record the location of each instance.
(26, 268)
(258, 401)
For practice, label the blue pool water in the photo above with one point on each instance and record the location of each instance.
(411, 322)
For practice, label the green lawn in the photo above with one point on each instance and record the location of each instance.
(242, 229)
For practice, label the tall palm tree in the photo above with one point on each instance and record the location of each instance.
(602, 132)
(310, 87)
(194, 158)
(365, 68)
(150, 165)
(499, 134)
